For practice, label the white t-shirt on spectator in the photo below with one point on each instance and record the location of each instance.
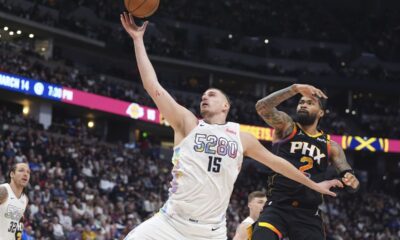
(58, 230)
(33, 208)
(65, 221)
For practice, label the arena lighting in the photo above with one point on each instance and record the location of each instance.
(25, 110)
(11, 33)
(347, 110)
(90, 124)
(58, 93)
(230, 36)
(266, 41)
(43, 49)
(31, 35)
(19, 32)
(353, 112)
(5, 28)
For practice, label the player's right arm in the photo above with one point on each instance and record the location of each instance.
(241, 232)
(3, 194)
(253, 148)
(280, 121)
(180, 118)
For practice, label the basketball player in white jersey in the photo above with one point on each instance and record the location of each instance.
(256, 202)
(207, 158)
(13, 202)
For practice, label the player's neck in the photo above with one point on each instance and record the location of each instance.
(310, 129)
(216, 119)
(254, 216)
(16, 189)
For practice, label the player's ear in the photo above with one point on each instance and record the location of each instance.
(321, 113)
(226, 106)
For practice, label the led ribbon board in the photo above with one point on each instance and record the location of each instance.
(72, 96)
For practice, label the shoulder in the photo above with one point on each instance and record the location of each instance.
(3, 193)
(243, 226)
(334, 147)
(248, 221)
(26, 199)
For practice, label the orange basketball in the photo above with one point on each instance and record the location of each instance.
(142, 8)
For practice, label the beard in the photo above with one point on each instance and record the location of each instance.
(306, 118)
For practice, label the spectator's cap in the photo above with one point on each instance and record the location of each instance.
(37, 187)
(130, 216)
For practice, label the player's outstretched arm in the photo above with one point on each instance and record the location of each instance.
(241, 232)
(3, 195)
(280, 121)
(178, 116)
(338, 159)
(253, 148)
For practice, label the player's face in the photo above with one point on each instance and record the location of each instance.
(257, 204)
(213, 102)
(21, 175)
(308, 111)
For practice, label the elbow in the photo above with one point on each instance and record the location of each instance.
(257, 106)
(260, 106)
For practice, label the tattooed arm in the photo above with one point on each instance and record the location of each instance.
(3, 194)
(338, 159)
(280, 121)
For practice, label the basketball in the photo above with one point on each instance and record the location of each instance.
(142, 8)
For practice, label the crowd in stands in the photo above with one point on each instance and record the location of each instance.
(82, 188)
(335, 121)
(71, 194)
(318, 22)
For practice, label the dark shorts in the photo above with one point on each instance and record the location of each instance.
(295, 223)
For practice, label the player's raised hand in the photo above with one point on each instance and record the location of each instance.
(130, 26)
(325, 186)
(350, 180)
(309, 91)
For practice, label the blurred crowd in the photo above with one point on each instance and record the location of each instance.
(373, 32)
(85, 189)
(378, 115)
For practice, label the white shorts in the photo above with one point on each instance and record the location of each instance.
(163, 227)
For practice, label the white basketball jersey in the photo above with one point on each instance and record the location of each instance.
(11, 212)
(249, 221)
(206, 165)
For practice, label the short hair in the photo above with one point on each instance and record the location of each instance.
(322, 102)
(13, 168)
(223, 93)
(255, 194)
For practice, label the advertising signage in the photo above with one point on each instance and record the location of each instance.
(76, 97)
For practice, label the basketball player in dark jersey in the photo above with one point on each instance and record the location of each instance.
(292, 208)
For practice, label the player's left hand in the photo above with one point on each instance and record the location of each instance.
(135, 31)
(350, 180)
(325, 186)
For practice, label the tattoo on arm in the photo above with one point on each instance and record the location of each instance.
(279, 120)
(338, 158)
(3, 194)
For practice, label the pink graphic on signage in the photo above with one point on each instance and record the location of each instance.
(106, 104)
